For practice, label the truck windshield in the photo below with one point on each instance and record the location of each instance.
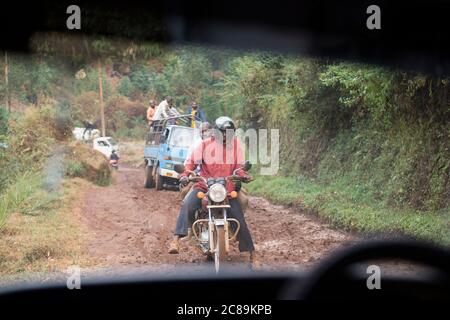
(112, 142)
(183, 137)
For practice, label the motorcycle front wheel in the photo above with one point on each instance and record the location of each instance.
(219, 247)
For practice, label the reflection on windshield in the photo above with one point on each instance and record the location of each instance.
(365, 148)
(112, 141)
(183, 137)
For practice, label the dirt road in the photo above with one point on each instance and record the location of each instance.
(128, 225)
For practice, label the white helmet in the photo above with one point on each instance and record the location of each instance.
(224, 123)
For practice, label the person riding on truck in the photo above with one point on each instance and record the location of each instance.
(197, 113)
(224, 142)
(166, 109)
(88, 127)
(151, 111)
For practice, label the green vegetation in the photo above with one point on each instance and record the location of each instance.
(350, 208)
(28, 143)
(81, 161)
(29, 140)
(74, 168)
(366, 147)
(43, 234)
(15, 195)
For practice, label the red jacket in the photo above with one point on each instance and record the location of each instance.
(216, 160)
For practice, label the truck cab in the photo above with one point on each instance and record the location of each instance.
(167, 144)
(105, 145)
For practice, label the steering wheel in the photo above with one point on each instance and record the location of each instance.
(335, 278)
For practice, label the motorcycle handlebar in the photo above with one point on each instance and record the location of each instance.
(196, 177)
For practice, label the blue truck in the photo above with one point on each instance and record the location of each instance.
(167, 144)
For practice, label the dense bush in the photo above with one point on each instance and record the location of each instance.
(125, 88)
(29, 143)
(63, 120)
(3, 122)
(90, 83)
(31, 78)
(126, 118)
(385, 131)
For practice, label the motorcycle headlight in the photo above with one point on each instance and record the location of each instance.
(217, 192)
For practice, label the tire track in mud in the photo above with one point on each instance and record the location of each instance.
(128, 225)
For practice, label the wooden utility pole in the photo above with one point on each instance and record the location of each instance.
(102, 106)
(7, 96)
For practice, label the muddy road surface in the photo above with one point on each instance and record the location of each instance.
(128, 225)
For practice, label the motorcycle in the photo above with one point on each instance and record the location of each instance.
(114, 164)
(212, 228)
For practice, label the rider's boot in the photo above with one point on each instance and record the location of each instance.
(189, 236)
(255, 264)
(174, 247)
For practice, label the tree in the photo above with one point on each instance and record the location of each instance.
(125, 87)
(7, 93)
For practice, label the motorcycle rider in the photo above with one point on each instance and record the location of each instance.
(113, 158)
(229, 148)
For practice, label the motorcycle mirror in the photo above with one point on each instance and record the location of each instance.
(179, 168)
(247, 165)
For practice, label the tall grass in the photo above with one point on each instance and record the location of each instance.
(350, 207)
(17, 193)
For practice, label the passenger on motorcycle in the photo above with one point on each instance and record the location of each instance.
(218, 156)
(205, 133)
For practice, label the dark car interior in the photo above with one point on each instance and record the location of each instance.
(337, 278)
(414, 36)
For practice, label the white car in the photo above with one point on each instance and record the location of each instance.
(105, 145)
